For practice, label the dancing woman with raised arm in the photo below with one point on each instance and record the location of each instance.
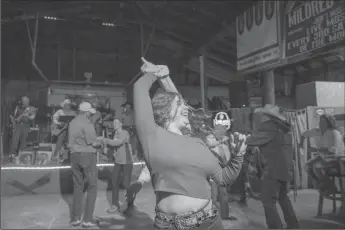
(180, 165)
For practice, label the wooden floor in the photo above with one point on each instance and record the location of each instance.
(52, 212)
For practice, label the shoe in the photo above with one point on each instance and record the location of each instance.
(90, 224)
(129, 210)
(75, 223)
(113, 209)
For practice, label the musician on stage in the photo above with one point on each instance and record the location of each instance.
(97, 118)
(21, 120)
(59, 129)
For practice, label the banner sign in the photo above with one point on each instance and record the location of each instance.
(257, 36)
(311, 25)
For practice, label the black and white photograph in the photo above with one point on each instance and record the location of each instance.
(172, 114)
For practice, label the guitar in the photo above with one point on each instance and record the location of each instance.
(56, 129)
(29, 111)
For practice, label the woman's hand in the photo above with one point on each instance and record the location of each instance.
(238, 143)
(158, 70)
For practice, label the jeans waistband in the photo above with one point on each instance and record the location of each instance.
(187, 220)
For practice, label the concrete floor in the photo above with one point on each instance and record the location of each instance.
(52, 212)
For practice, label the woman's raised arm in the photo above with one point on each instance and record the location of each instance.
(144, 119)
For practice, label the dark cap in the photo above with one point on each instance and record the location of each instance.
(127, 103)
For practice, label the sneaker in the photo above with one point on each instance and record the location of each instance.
(113, 209)
(75, 223)
(90, 224)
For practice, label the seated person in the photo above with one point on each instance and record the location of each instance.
(329, 143)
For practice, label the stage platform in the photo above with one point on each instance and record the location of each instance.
(50, 179)
(51, 211)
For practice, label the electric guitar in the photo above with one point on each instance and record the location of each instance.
(29, 111)
(56, 129)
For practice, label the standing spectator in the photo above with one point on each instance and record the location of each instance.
(277, 163)
(123, 163)
(82, 139)
(97, 118)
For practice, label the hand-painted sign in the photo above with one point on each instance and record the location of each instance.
(311, 25)
(257, 36)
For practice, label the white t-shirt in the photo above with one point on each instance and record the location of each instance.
(331, 140)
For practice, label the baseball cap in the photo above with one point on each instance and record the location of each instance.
(86, 107)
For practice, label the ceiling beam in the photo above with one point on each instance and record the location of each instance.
(53, 47)
(221, 61)
(149, 20)
(212, 69)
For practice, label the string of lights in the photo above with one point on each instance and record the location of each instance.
(57, 167)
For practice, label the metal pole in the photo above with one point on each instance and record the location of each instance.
(58, 63)
(74, 53)
(142, 38)
(74, 57)
(202, 81)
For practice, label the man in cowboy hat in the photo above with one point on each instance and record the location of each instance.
(277, 164)
(59, 129)
(127, 114)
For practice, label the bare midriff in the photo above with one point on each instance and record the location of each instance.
(177, 204)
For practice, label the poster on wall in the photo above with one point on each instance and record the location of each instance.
(311, 25)
(257, 36)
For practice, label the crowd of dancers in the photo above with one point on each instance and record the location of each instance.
(187, 159)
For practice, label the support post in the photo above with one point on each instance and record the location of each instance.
(58, 62)
(74, 58)
(203, 82)
(142, 39)
(268, 92)
(74, 63)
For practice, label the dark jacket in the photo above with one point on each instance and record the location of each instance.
(270, 138)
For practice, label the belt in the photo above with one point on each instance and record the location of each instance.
(187, 221)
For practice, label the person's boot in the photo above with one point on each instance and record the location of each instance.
(129, 210)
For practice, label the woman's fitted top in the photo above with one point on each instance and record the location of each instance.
(331, 140)
(178, 164)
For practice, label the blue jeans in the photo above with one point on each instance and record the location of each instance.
(273, 191)
(221, 194)
(84, 170)
(210, 222)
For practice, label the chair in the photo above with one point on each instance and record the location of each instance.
(339, 195)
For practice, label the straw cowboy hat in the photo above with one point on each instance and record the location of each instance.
(65, 102)
(271, 110)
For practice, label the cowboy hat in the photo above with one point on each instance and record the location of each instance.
(271, 110)
(65, 102)
(127, 103)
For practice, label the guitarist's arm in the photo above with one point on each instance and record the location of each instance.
(56, 116)
(32, 116)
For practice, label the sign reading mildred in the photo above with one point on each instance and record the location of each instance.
(314, 24)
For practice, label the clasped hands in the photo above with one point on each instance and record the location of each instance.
(237, 144)
(158, 70)
(100, 142)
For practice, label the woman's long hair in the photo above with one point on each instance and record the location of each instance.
(199, 120)
(330, 121)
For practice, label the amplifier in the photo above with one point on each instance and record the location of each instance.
(33, 136)
(26, 157)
